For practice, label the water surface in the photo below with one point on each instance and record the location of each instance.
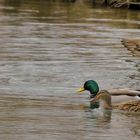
(47, 50)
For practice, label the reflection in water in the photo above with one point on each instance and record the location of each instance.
(47, 49)
(70, 11)
(102, 117)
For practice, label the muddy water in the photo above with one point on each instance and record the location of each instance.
(47, 50)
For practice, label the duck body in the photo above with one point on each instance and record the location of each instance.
(122, 95)
(105, 97)
(117, 95)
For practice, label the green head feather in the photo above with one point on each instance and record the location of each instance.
(93, 88)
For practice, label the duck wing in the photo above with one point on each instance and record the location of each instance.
(128, 92)
(123, 98)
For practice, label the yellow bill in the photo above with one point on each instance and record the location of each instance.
(80, 90)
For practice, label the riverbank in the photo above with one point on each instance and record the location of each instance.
(130, 4)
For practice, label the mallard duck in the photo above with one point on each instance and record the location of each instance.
(105, 97)
(93, 88)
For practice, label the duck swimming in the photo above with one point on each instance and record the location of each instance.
(120, 94)
(106, 98)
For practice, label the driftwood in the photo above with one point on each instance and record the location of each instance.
(131, 106)
(132, 45)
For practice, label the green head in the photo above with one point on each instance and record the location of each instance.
(93, 88)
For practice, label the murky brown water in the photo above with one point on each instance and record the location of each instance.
(47, 50)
